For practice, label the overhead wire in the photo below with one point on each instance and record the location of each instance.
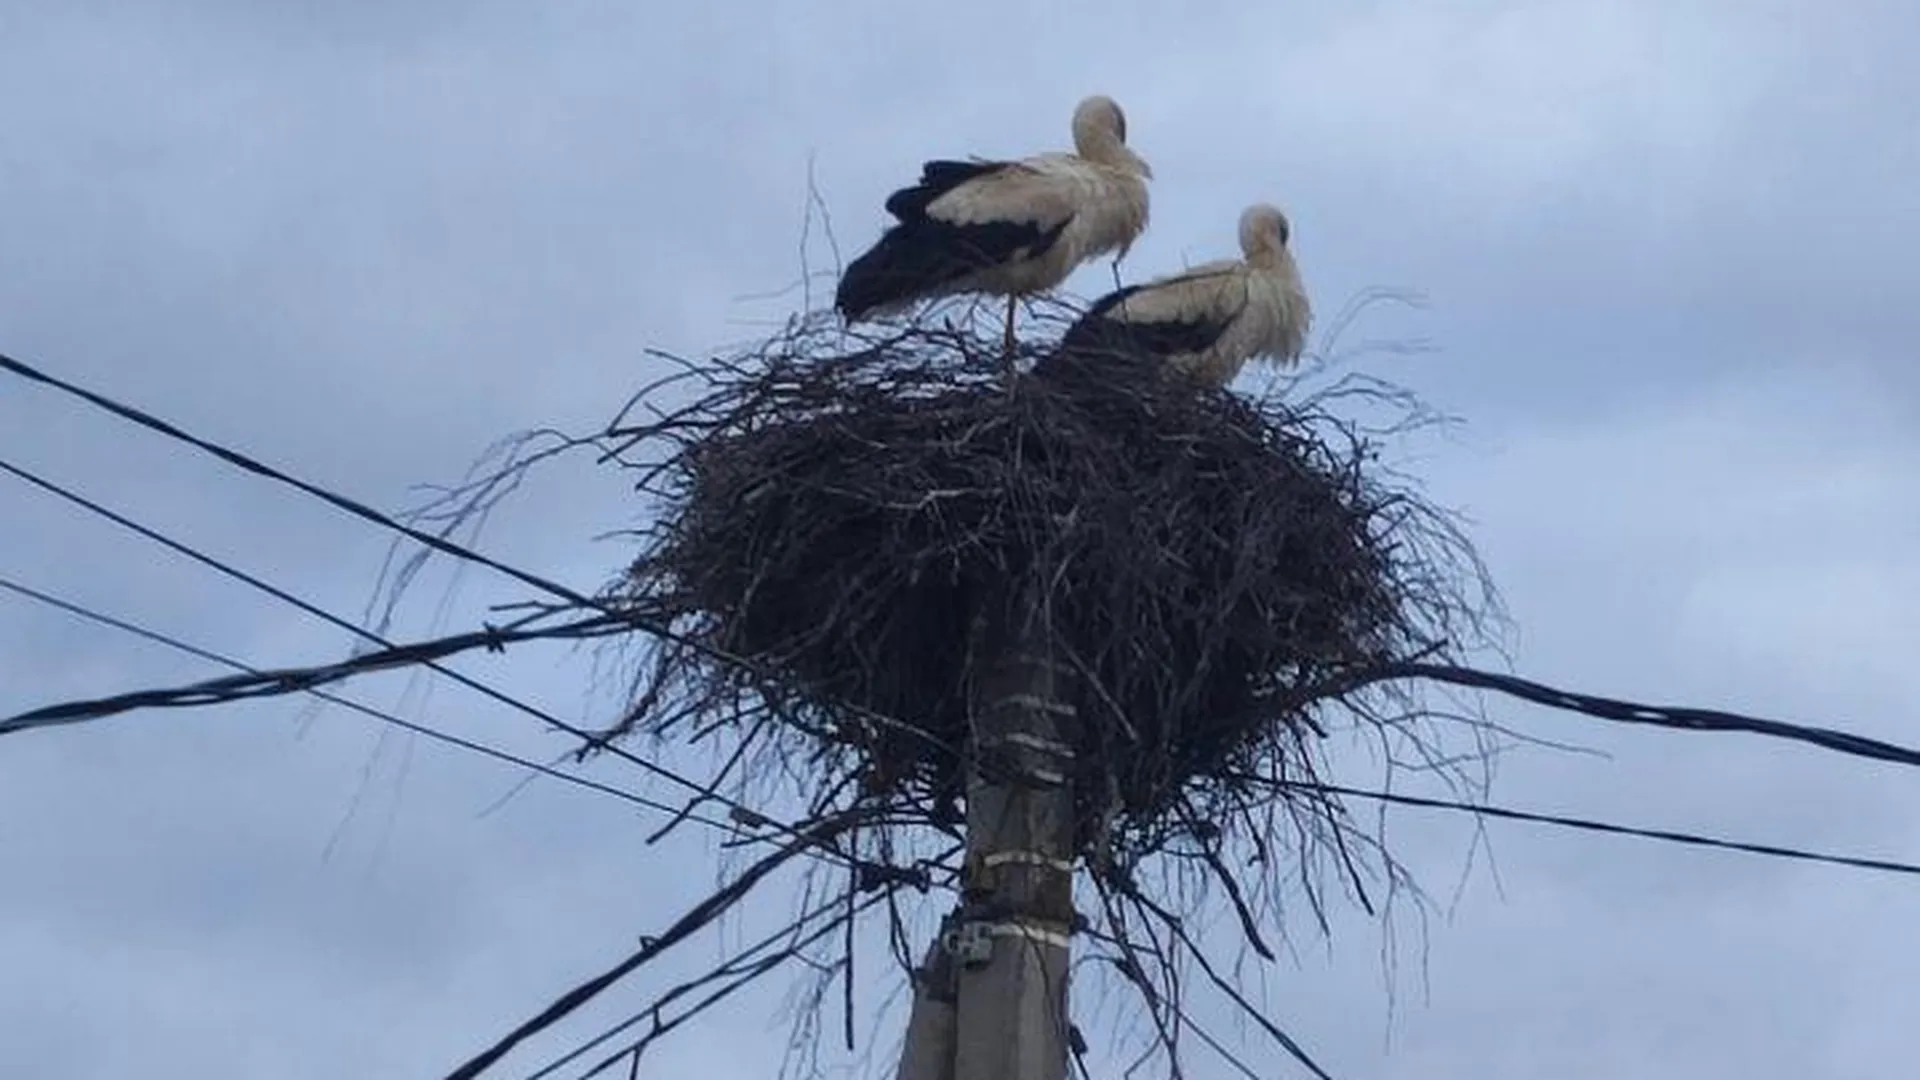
(1428, 802)
(179, 645)
(1599, 707)
(497, 639)
(836, 905)
(362, 511)
(1669, 836)
(1675, 717)
(695, 919)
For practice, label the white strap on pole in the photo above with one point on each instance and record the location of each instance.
(1052, 747)
(1049, 663)
(1045, 934)
(1036, 742)
(1028, 858)
(1035, 701)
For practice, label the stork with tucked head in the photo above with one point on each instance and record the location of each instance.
(1207, 321)
(1005, 228)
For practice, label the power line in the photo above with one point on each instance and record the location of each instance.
(1591, 705)
(248, 464)
(293, 680)
(1680, 717)
(275, 683)
(179, 645)
(696, 919)
(1590, 825)
(263, 683)
(94, 507)
(791, 930)
(495, 753)
(1676, 717)
(437, 543)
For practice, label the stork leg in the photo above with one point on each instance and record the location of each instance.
(1007, 356)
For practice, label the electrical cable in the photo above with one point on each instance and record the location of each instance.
(178, 645)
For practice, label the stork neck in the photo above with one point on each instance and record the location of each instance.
(1099, 146)
(1117, 155)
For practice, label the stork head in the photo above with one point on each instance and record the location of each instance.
(1263, 228)
(1100, 134)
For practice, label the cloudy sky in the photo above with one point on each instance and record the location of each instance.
(1665, 246)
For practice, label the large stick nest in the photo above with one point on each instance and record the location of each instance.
(847, 519)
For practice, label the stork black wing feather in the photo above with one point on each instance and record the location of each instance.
(936, 179)
(1104, 327)
(920, 255)
(916, 258)
(1105, 343)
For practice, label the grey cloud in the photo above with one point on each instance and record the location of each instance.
(1667, 253)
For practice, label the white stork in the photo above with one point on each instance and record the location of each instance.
(1005, 228)
(1207, 321)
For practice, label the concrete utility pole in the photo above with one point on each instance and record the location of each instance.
(930, 1028)
(1003, 955)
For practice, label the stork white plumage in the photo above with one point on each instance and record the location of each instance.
(1210, 320)
(1005, 228)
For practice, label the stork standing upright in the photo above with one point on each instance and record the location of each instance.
(1005, 228)
(1207, 321)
